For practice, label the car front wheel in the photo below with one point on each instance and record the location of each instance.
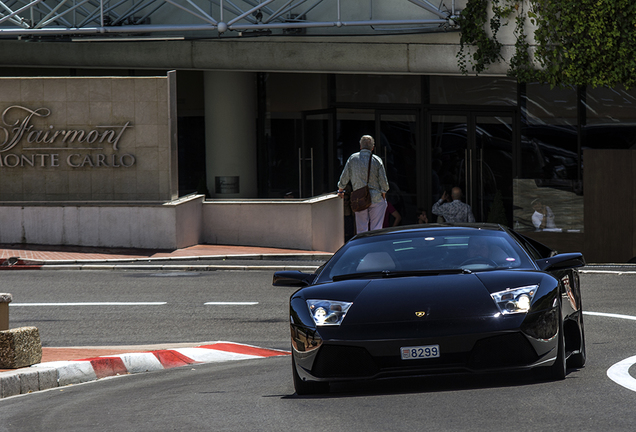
(559, 369)
(578, 360)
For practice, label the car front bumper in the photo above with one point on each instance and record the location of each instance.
(333, 354)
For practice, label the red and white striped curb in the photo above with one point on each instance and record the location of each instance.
(90, 369)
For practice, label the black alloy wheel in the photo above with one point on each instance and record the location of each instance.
(577, 360)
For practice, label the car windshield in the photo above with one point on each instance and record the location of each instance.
(418, 252)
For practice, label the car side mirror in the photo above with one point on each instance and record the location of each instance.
(561, 261)
(293, 278)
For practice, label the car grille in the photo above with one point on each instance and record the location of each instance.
(341, 361)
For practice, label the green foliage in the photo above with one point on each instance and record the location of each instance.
(521, 66)
(487, 49)
(583, 42)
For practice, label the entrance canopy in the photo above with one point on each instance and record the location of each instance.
(117, 19)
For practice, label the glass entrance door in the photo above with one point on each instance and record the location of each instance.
(397, 142)
(474, 151)
(316, 154)
(494, 159)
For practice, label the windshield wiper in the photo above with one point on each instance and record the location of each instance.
(403, 273)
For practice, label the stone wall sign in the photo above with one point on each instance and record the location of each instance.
(22, 144)
(88, 139)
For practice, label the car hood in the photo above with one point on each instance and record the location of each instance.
(420, 299)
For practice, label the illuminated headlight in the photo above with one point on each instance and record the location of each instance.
(328, 312)
(515, 300)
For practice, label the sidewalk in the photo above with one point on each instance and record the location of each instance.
(35, 254)
(205, 257)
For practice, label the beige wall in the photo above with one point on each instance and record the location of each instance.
(40, 168)
(305, 224)
(311, 224)
(171, 225)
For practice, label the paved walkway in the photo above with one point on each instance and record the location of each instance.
(52, 254)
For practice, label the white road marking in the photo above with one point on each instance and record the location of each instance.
(91, 304)
(230, 303)
(616, 272)
(225, 303)
(627, 317)
(619, 372)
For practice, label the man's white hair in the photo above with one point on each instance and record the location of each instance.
(367, 142)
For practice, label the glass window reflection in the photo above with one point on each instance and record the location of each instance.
(548, 194)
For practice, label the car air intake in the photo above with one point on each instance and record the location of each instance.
(502, 351)
(335, 361)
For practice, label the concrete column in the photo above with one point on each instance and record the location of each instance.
(230, 134)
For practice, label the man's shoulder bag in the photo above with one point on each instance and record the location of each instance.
(361, 198)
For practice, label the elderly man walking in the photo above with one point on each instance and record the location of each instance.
(355, 171)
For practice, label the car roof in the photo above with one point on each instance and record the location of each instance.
(431, 228)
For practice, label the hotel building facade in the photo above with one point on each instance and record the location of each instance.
(164, 124)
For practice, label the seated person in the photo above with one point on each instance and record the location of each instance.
(478, 247)
(484, 250)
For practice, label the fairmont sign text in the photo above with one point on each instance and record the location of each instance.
(22, 144)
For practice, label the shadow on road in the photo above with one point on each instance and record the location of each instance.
(434, 384)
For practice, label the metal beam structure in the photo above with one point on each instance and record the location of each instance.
(213, 18)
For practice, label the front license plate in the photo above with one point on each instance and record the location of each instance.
(419, 352)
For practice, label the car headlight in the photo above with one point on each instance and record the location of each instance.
(515, 300)
(328, 312)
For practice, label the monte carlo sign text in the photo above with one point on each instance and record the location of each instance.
(23, 144)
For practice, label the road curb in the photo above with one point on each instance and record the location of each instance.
(147, 263)
(319, 256)
(44, 376)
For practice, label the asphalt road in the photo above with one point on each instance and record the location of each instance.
(184, 317)
(258, 394)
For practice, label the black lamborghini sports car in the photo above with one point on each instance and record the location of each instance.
(438, 299)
